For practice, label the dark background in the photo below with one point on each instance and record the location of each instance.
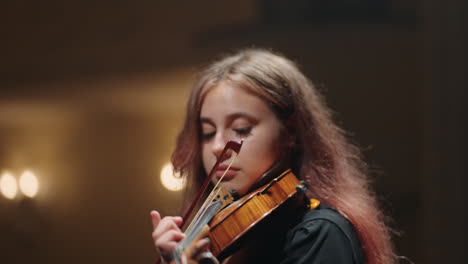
(92, 95)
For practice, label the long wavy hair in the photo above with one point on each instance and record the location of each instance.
(319, 153)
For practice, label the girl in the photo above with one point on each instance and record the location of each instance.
(263, 98)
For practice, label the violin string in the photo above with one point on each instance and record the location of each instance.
(211, 195)
(203, 215)
(210, 211)
(216, 189)
(194, 224)
(229, 145)
(195, 219)
(229, 166)
(222, 176)
(178, 251)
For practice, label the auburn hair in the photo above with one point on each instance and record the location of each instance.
(320, 154)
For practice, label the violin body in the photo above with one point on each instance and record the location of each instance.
(283, 197)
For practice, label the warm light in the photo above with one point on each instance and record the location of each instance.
(171, 181)
(28, 183)
(8, 185)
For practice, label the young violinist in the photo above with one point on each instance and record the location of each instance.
(262, 99)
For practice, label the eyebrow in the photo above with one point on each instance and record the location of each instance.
(230, 118)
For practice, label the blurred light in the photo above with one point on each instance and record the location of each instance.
(8, 185)
(171, 181)
(28, 183)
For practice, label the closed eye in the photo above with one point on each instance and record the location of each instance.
(209, 135)
(244, 131)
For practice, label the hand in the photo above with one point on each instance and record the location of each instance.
(166, 234)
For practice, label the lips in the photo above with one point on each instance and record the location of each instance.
(230, 174)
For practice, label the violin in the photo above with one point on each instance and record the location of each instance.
(230, 222)
(238, 222)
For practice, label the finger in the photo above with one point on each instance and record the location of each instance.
(155, 218)
(184, 259)
(169, 236)
(201, 252)
(207, 257)
(167, 248)
(178, 220)
(166, 224)
(167, 243)
(166, 251)
(201, 245)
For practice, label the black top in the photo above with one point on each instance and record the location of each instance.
(320, 236)
(323, 236)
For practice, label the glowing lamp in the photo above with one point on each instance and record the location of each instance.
(171, 181)
(28, 183)
(8, 185)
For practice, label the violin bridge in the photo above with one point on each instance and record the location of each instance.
(224, 196)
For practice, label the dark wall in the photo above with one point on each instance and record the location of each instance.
(92, 96)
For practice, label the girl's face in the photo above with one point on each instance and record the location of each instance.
(230, 113)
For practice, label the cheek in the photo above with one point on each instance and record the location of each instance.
(264, 154)
(269, 155)
(205, 159)
(271, 145)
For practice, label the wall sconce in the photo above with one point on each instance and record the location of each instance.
(8, 185)
(28, 185)
(171, 181)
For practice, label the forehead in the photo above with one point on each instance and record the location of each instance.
(225, 99)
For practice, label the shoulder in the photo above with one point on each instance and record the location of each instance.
(325, 219)
(324, 236)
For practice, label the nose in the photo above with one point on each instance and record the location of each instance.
(218, 147)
